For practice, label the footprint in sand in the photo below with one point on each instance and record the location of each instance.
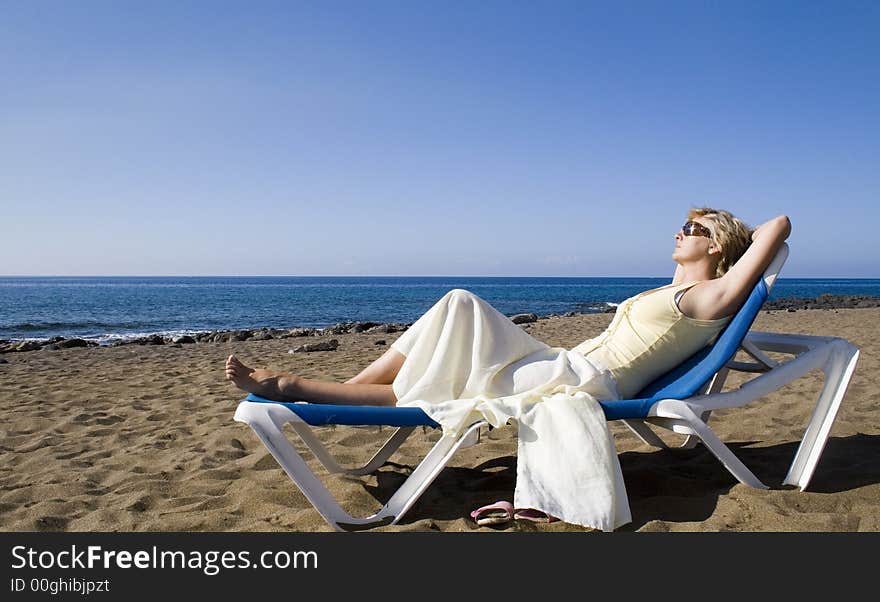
(51, 523)
(267, 462)
(109, 420)
(234, 454)
(142, 505)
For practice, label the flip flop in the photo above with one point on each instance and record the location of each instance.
(493, 514)
(533, 516)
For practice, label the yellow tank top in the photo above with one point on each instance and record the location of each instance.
(648, 337)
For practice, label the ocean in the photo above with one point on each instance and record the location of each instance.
(109, 309)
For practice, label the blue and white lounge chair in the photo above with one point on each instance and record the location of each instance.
(681, 401)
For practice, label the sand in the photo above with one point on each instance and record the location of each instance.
(141, 438)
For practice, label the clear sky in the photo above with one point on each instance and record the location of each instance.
(431, 138)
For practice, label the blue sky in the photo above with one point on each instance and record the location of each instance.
(426, 138)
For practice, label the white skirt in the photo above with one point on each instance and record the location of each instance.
(465, 361)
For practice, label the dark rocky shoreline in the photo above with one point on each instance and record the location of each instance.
(791, 304)
(217, 336)
(824, 302)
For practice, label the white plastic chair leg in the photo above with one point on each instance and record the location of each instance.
(266, 421)
(644, 432)
(715, 386)
(679, 410)
(838, 371)
(329, 462)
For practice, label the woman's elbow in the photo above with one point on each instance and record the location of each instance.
(784, 224)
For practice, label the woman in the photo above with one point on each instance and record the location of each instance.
(463, 360)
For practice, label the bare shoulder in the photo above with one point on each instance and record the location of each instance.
(704, 301)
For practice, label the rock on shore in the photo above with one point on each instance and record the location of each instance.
(330, 345)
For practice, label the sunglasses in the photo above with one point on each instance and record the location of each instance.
(695, 229)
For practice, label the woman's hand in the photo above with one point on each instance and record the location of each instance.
(778, 222)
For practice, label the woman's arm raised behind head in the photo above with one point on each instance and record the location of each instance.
(739, 280)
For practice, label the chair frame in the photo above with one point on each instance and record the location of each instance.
(267, 420)
(835, 356)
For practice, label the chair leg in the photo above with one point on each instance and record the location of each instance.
(266, 421)
(428, 469)
(329, 462)
(715, 385)
(644, 432)
(679, 411)
(691, 441)
(838, 371)
(837, 359)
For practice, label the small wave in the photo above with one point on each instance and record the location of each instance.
(111, 338)
(31, 327)
(595, 307)
(116, 338)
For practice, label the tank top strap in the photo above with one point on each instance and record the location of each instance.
(676, 288)
(688, 285)
(680, 290)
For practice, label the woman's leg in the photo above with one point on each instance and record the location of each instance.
(382, 371)
(282, 386)
(373, 385)
(457, 349)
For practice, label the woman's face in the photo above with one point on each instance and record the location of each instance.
(694, 246)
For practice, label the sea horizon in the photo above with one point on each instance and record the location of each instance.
(107, 309)
(13, 276)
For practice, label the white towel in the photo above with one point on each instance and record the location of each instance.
(466, 361)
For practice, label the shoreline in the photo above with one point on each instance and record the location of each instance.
(18, 345)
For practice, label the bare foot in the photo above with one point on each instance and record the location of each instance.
(277, 386)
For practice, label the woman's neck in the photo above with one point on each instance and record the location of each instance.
(693, 272)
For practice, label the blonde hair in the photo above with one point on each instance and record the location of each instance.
(730, 233)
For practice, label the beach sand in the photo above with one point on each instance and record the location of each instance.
(141, 438)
